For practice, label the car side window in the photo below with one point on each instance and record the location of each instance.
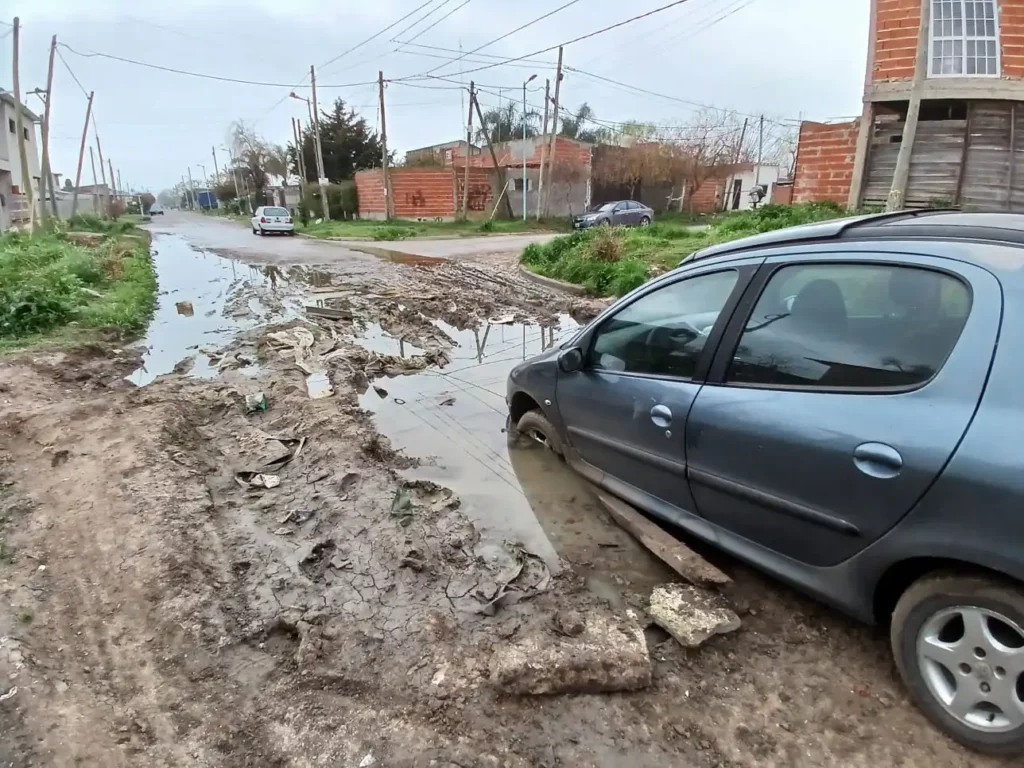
(664, 332)
(621, 207)
(852, 326)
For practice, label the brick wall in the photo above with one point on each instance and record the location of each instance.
(370, 189)
(824, 162)
(1011, 25)
(897, 27)
(424, 193)
(707, 198)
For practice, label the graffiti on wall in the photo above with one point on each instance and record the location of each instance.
(478, 196)
(416, 199)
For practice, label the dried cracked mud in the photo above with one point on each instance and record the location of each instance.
(161, 607)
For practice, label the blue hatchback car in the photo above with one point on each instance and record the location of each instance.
(842, 405)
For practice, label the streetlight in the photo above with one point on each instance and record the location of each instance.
(309, 104)
(525, 83)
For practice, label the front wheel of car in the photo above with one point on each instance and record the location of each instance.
(535, 426)
(958, 642)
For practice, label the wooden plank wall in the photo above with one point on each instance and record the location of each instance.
(935, 164)
(882, 152)
(987, 175)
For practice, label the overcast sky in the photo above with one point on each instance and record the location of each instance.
(786, 58)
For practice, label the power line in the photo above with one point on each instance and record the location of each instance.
(202, 75)
(460, 57)
(422, 18)
(71, 72)
(558, 45)
(538, 62)
(424, 31)
(375, 35)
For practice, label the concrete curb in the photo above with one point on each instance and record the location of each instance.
(552, 283)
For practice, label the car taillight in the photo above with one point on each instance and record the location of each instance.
(288, 220)
(263, 219)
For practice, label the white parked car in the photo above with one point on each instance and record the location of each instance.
(269, 218)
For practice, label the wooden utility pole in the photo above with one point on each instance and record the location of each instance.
(81, 158)
(192, 186)
(494, 157)
(26, 175)
(216, 168)
(388, 208)
(552, 142)
(120, 187)
(299, 161)
(469, 144)
(46, 182)
(319, 149)
(103, 174)
(543, 145)
(113, 182)
(95, 187)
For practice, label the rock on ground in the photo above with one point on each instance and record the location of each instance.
(610, 654)
(690, 614)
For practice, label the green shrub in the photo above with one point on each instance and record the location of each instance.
(606, 244)
(393, 233)
(487, 226)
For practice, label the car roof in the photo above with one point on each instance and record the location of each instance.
(932, 224)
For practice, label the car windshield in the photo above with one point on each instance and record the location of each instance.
(275, 212)
(607, 207)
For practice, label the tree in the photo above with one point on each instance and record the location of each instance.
(256, 158)
(506, 123)
(573, 126)
(168, 198)
(147, 199)
(348, 145)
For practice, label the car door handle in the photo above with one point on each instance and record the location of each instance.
(661, 416)
(878, 460)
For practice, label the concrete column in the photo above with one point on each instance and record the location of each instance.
(860, 163)
(902, 174)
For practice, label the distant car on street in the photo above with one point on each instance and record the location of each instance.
(156, 210)
(840, 405)
(621, 213)
(269, 218)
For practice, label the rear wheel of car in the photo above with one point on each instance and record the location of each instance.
(645, 221)
(959, 646)
(535, 426)
(254, 231)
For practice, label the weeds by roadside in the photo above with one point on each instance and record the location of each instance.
(402, 229)
(48, 283)
(615, 260)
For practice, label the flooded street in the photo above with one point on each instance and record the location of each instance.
(290, 528)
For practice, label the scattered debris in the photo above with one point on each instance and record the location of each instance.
(184, 308)
(257, 401)
(60, 457)
(503, 320)
(381, 392)
(10, 694)
(679, 557)
(401, 506)
(284, 531)
(184, 365)
(526, 578)
(569, 623)
(257, 480)
(447, 402)
(319, 386)
(297, 516)
(609, 654)
(690, 614)
(368, 761)
(331, 313)
(399, 401)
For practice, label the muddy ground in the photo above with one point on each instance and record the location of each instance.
(157, 608)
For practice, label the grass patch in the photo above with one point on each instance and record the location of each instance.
(401, 229)
(615, 260)
(49, 285)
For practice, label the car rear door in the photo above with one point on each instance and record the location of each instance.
(620, 216)
(624, 412)
(839, 392)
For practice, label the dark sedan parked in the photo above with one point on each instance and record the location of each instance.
(839, 404)
(623, 213)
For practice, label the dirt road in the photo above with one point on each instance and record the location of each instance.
(189, 577)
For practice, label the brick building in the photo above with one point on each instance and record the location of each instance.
(943, 117)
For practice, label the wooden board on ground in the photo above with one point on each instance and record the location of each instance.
(679, 557)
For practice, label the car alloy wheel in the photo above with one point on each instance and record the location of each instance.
(958, 641)
(972, 660)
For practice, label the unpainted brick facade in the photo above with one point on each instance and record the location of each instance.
(824, 162)
(424, 193)
(897, 28)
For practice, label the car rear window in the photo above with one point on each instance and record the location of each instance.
(275, 211)
(851, 326)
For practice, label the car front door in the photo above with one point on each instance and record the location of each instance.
(625, 410)
(620, 215)
(837, 396)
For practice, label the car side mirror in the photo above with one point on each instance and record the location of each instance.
(570, 360)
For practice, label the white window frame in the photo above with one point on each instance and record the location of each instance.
(963, 39)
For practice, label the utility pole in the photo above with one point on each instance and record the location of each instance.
(298, 154)
(216, 170)
(113, 182)
(95, 188)
(120, 189)
(47, 177)
(384, 145)
(103, 172)
(192, 187)
(469, 143)
(543, 145)
(184, 187)
(494, 158)
(320, 151)
(81, 157)
(26, 176)
(552, 141)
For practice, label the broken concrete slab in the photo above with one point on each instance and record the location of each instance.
(679, 557)
(609, 654)
(691, 614)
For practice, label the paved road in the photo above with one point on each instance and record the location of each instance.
(235, 239)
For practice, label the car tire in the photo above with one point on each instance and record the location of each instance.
(535, 426)
(645, 221)
(254, 231)
(291, 233)
(604, 223)
(939, 657)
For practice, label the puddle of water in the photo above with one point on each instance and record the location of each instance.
(376, 339)
(398, 257)
(195, 285)
(453, 419)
